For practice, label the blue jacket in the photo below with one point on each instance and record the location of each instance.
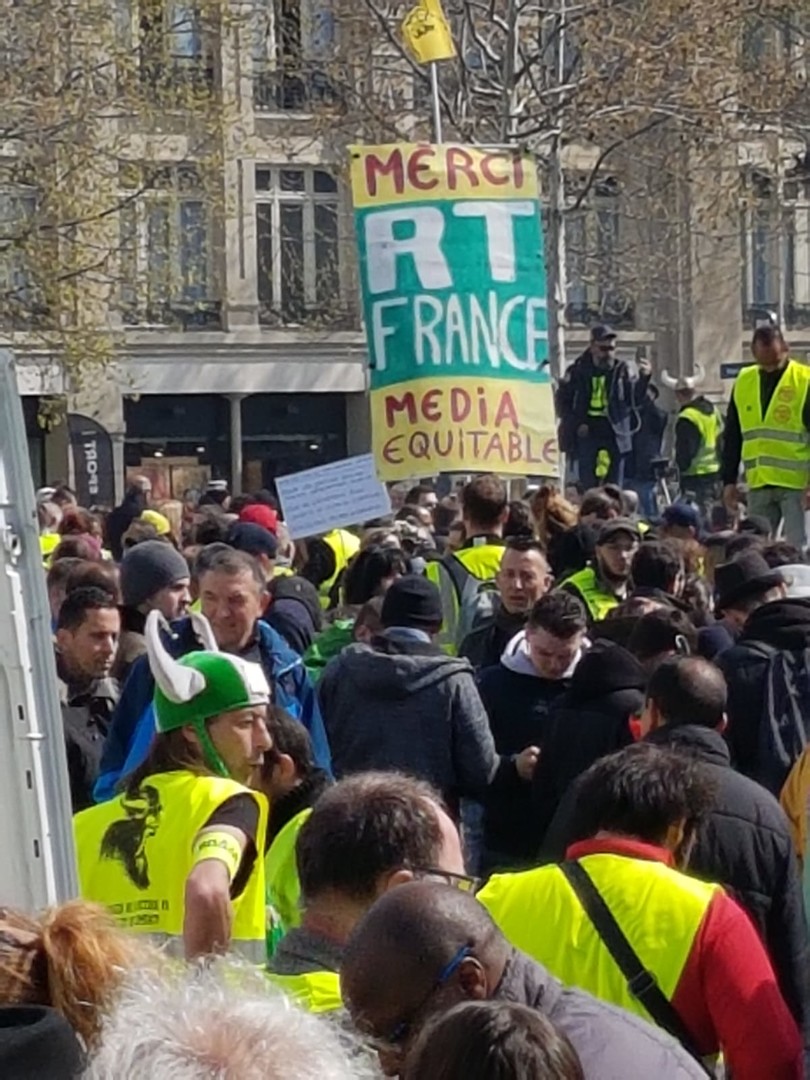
(133, 722)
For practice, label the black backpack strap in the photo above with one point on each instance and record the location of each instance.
(641, 983)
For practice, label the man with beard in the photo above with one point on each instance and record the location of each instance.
(602, 585)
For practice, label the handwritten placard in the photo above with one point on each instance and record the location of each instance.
(345, 492)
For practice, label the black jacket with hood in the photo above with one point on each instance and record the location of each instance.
(405, 705)
(592, 719)
(781, 625)
(745, 844)
(518, 702)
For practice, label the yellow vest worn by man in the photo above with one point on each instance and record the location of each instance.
(345, 546)
(585, 584)
(480, 560)
(283, 886)
(135, 853)
(710, 426)
(776, 446)
(659, 909)
(315, 991)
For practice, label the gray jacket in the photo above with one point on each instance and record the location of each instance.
(408, 706)
(612, 1044)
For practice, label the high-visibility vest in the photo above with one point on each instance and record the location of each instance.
(776, 446)
(586, 585)
(481, 561)
(282, 884)
(659, 909)
(134, 855)
(345, 546)
(709, 426)
(315, 991)
(597, 405)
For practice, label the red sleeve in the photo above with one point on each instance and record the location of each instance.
(728, 994)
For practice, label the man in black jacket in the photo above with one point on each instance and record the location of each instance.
(604, 397)
(590, 720)
(745, 843)
(775, 624)
(518, 693)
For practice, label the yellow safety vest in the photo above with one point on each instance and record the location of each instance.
(659, 909)
(597, 406)
(315, 991)
(48, 543)
(598, 602)
(345, 546)
(709, 426)
(283, 886)
(134, 855)
(481, 561)
(776, 446)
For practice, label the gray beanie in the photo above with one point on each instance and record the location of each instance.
(149, 567)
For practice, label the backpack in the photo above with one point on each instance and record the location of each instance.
(477, 598)
(785, 720)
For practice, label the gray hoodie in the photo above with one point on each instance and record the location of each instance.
(612, 1044)
(406, 705)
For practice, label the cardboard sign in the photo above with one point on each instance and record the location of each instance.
(346, 492)
(454, 294)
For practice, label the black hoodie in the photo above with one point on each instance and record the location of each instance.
(745, 845)
(589, 721)
(779, 626)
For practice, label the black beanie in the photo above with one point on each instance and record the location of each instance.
(149, 567)
(414, 602)
(36, 1041)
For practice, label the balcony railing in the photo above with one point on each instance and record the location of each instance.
(300, 89)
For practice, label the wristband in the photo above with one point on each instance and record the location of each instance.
(218, 845)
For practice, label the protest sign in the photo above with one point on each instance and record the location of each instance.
(327, 497)
(454, 296)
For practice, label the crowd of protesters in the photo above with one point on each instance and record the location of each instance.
(490, 788)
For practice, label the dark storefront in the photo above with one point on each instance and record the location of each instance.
(184, 440)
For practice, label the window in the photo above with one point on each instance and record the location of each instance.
(593, 262)
(21, 302)
(297, 244)
(166, 41)
(293, 44)
(164, 255)
(775, 245)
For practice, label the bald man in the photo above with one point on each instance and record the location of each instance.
(445, 948)
(745, 842)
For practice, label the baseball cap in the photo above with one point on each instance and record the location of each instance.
(253, 539)
(259, 514)
(603, 333)
(615, 526)
(682, 515)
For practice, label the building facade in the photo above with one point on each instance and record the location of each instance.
(234, 303)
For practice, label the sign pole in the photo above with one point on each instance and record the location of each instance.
(435, 101)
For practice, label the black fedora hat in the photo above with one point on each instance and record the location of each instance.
(747, 575)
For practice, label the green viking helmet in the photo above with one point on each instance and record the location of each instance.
(200, 685)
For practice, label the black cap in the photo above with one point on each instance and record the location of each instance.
(618, 525)
(252, 539)
(602, 333)
(747, 575)
(413, 601)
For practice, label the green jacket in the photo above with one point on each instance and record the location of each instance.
(328, 644)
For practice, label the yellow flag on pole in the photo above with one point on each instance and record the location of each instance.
(427, 32)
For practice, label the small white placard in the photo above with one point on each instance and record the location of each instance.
(345, 492)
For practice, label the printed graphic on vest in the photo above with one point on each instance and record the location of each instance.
(125, 839)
